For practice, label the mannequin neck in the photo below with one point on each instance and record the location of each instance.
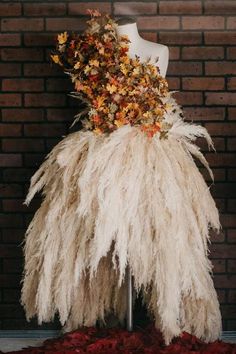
(130, 30)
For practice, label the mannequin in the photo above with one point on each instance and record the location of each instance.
(142, 47)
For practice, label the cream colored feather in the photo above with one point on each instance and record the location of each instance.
(124, 199)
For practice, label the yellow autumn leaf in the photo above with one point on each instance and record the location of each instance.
(94, 63)
(77, 65)
(124, 69)
(111, 88)
(119, 123)
(62, 38)
(56, 59)
(97, 131)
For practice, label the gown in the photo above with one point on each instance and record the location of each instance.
(124, 198)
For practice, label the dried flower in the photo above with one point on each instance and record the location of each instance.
(118, 89)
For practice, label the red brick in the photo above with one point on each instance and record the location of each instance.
(8, 40)
(149, 36)
(9, 311)
(44, 130)
(231, 174)
(231, 325)
(11, 295)
(228, 220)
(221, 128)
(231, 236)
(220, 68)
(219, 265)
(204, 113)
(232, 296)
(42, 69)
(219, 7)
(221, 295)
(180, 7)
(35, 159)
(10, 100)
(182, 68)
(8, 251)
(231, 53)
(14, 324)
(59, 85)
(50, 143)
(174, 53)
(12, 235)
(7, 220)
(219, 174)
(7, 160)
(9, 280)
(217, 237)
(231, 23)
(13, 265)
(39, 39)
(158, 22)
(44, 9)
(220, 37)
(219, 144)
(10, 130)
(69, 24)
(20, 145)
(23, 85)
(7, 70)
(189, 98)
(17, 174)
(232, 113)
(231, 205)
(222, 250)
(10, 190)
(44, 100)
(203, 53)
(127, 8)
(16, 205)
(224, 190)
(231, 144)
(22, 54)
(221, 159)
(57, 115)
(22, 115)
(202, 22)
(22, 24)
(173, 83)
(231, 83)
(202, 83)
(228, 311)
(221, 98)
(10, 9)
(81, 8)
(180, 38)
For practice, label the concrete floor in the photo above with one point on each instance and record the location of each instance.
(10, 344)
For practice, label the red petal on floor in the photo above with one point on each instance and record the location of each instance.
(116, 341)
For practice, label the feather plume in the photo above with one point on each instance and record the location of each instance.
(118, 199)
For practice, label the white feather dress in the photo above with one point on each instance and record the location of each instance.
(118, 199)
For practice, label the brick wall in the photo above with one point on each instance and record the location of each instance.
(36, 112)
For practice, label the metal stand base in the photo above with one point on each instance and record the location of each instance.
(129, 300)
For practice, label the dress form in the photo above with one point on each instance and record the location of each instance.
(141, 47)
(144, 49)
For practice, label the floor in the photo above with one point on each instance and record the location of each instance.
(16, 340)
(10, 344)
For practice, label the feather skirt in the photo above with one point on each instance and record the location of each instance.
(119, 199)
